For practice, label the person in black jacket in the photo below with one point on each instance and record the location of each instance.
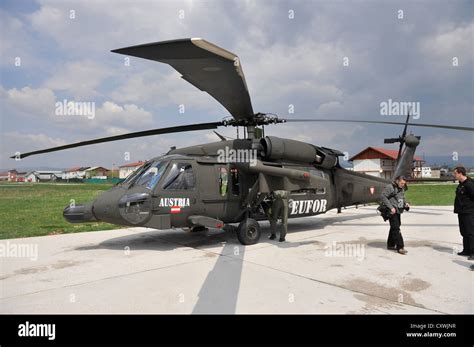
(464, 207)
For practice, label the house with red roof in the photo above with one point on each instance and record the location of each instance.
(13, 176)
(379, 162)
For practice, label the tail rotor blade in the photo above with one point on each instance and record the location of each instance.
(402, 138)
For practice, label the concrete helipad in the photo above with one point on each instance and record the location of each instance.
(334, 263)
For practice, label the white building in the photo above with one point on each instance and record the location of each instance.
(379, 162)
(43, 176)
(98, 172)
(127, 169)
(74, 173)
(426, 172)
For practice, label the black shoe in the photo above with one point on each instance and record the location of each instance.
(282, 239)
(463, 253)
(471, 257)
(272, 237)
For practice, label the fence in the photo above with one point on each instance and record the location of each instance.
(113, 180)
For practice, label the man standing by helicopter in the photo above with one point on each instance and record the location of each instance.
(464, 207)
(393, 197)
(278, 209)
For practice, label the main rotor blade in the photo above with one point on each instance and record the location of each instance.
(206, 66)
(452, 127)
(159, 131)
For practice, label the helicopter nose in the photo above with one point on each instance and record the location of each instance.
(116, 206)
(106, 206)
(123, 207)
(79, 213)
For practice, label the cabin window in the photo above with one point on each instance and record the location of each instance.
(234, 179)
(180, 177)
(223, 181)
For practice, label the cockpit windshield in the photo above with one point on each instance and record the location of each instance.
(148, 175)
(151, 175)
(131, 177)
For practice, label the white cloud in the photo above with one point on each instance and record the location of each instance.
(15, 141)
(165, 90)
(127, 22)
(128, 116)
(30, 102)
(80, 78)
(16, 43)
(40, 104)
(450, 42)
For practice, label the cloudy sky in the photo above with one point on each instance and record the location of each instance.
(329, 59)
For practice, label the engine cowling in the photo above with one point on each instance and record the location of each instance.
(275, 148)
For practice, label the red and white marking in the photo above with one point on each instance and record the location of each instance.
(372, 190)
(175, 209)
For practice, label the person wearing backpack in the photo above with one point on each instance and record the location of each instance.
(393, 197)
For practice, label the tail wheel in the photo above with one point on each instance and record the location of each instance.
(248, 232)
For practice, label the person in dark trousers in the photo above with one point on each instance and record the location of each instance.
(464, 207)
(393, 197)
(278, 209)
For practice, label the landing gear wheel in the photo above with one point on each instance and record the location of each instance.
(248, 232)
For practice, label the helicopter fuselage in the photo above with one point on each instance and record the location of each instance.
(195, 187)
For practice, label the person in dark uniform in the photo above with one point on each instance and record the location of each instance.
(464, 207)
(278, 209)
(393, 197)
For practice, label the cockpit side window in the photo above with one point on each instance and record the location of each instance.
(180, 177)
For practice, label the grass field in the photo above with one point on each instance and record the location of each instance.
(35, 209)
(431, 194)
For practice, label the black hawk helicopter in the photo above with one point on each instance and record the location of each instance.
(197, 187)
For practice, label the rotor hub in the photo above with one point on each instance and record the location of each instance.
(258, 119)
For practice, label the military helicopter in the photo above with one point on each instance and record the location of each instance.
(200, 187)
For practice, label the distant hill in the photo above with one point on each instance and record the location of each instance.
(439, 160)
